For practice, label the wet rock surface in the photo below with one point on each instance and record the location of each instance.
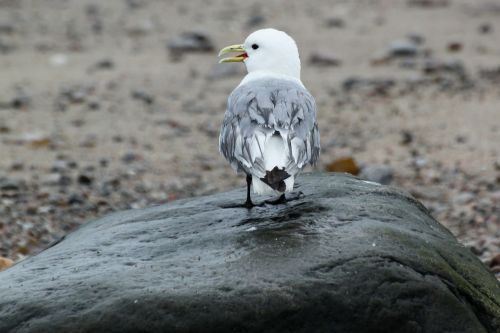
(348, 256)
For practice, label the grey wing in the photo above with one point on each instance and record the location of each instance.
(259, 109)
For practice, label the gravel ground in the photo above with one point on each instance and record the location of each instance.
(113, 105)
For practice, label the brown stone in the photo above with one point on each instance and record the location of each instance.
(344, 164)
(5, 263)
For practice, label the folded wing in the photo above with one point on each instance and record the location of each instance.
(260, 109)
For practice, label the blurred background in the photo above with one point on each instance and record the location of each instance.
(109, 105)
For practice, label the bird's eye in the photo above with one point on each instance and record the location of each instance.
(255, 46)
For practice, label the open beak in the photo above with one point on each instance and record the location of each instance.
(230, 49)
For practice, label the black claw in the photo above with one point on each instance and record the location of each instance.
(280, 200)
(296, 196)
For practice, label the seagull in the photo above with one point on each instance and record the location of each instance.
(269, 130)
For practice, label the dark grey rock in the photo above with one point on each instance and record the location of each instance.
(135, 4)
(84, 179)
(335, 22)
(104, 162)
(428, 3)
(190, 42)
(490, 74)
(324, 59)
(375, 86)
(460, 139)
(6, 29)
(485, 28)
(402, 48)
(94, 105)
(433, 66)
(143, 96)
(130, 157)
(52, 179)
(381, 174)
(20, 101)
(11, 184)
(349, 256)
(351, 83)
(255, 20)
(17, 166)
(406, 137)
(105, 64)
(74, 94)
(75, 199)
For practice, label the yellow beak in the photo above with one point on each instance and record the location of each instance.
(230, 49)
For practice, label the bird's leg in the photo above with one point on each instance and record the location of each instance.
(249, 203)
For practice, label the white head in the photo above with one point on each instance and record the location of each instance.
(267, 50)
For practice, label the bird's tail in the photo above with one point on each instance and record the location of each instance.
(275, 161)
(275, 179)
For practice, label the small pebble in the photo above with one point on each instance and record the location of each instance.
(255, 20)
(335, 22)
(485, 28)
(190, 42)
(454, 46)
(143, 96)
(85, 180)
(402, 48)
(406, 137)
(5, 263)
(324, 59)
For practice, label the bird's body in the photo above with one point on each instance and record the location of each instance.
(270, 123)
(269, 130)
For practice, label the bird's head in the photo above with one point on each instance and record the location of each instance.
(267, 50)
